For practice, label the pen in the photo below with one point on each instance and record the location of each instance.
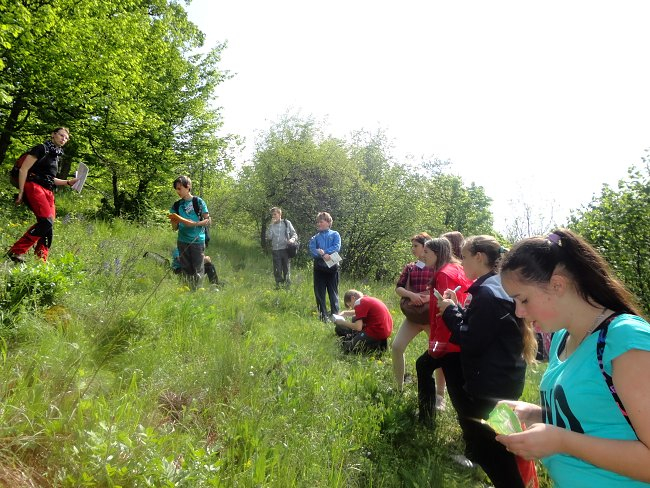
(457, 289)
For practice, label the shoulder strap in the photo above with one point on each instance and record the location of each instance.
(600, 347)
(197, 207)
(286, 228)
(195, 204)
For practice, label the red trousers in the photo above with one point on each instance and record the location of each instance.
(41, 201)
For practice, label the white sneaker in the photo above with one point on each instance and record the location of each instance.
(462, 460)
(441, 403)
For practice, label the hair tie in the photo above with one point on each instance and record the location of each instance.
(554, 239)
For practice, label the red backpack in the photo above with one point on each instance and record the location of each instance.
(13, 172)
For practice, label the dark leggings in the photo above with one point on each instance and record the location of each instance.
(480, 444)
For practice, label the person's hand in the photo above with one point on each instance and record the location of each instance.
(418, 299)
(321, 252)
(527, 413)
(444, 304)
(326, 256)
(174, 217)
(19, 198)
(538, 441)
(72, 181)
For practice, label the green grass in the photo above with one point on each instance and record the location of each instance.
(124, 378)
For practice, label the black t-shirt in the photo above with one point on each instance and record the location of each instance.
(48, 166)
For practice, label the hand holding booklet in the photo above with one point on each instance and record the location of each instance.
(81, 173)
(335, 258)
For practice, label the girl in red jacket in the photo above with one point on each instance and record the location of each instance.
(447, 274)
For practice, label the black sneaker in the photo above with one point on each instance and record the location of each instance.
(16, 258)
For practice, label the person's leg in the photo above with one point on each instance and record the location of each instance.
(319, 293)
(277, 267)
(188, 258)
(482, 447)
(288, 269)
(43, 245)
(210, 271)
(284, 265)
(342, 330)
(332, 284)
(405, 335)
(197, 255)
(363, 344)
(42, 204)
(425, 366)
(453, 371)
(440, 388)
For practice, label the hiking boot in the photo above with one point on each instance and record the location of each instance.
(16, 258)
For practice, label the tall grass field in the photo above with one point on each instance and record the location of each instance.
(116, 375)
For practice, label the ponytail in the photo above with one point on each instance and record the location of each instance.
(534, 260)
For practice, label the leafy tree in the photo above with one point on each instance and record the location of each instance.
(301, 171)
(122, 75)
(453, 206)
(618, 224)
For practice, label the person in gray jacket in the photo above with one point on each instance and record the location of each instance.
(280, 232)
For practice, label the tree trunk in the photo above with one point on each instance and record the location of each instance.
(10, 127)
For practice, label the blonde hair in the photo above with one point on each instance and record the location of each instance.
(356, 294)
(324, 216)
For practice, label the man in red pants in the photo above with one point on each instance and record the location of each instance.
(36, 182)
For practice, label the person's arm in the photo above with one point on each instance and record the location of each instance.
(628, 458)
(206, 220)
(401, 290)
(28, 162)
(333, 245)
(313, 249)
(356, 325)
(293, 236)
(60, 182)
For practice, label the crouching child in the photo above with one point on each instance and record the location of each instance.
(370, 326)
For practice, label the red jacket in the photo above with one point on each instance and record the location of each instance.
(449, 276)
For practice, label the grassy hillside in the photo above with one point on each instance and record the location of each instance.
(116, 375)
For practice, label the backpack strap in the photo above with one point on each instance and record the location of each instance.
(197, 207)
(600, 347)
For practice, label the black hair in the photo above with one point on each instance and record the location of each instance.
(534, 260)
(184, 181)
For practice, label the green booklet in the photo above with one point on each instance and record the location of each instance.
(503, 420)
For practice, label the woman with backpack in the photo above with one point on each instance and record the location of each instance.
(593, 425)
(36, 182)
(281, 234)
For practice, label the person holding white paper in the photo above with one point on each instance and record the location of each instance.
(36, 182)
(326, 278)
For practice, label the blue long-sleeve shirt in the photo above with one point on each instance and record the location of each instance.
(328, 240)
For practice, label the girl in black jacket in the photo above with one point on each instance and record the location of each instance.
(494, 344)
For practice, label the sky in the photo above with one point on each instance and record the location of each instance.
(540, 103)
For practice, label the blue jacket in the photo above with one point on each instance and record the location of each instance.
(328, 240)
